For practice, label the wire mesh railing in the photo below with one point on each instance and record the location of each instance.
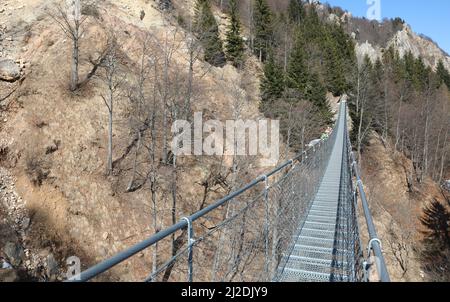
(348, 247)
(248, 235)
(258, 227)
(362, 261)
(242, 237)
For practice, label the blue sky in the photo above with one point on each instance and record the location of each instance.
(431, 17)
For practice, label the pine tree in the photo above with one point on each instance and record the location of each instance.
(198, 14)
(234, 41)
(443, 74)
(207, 31)
(272, 82)
(296, 11)
(340, 59)
(420, 75)
(308, 84)
(316, 93)
(335, 73)
(263, 29)
(297, 73)
(408, 66)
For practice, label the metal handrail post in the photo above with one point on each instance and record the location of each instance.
(191, 241)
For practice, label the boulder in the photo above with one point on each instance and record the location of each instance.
(26, 223)
(9, 70)
(14, 252)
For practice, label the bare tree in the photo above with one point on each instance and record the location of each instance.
(398, 242)
(362, 99)
(194, 49)
(143, 94)
(69, 19)
(113, 79)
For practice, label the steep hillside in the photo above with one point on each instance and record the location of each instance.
(397, 206)
(54, 143)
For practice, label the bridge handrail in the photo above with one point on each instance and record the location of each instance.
(374, 241)
(183, 223)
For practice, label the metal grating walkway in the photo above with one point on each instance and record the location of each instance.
(315, 256)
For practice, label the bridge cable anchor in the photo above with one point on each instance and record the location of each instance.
(304, 155)
(266, 181)
(291, 162)
(370, 245)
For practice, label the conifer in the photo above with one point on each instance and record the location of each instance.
(234, 42)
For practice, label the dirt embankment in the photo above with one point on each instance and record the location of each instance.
(396, 200)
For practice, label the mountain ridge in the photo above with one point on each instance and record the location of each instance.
(401, 36)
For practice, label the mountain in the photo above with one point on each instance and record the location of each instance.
(373, 37)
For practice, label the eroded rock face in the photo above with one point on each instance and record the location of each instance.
(367, 49)
(9, 70)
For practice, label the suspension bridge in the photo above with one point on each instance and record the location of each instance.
(297, 223)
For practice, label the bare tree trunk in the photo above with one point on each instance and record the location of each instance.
(288, 139)
(75, 56)
(286, 51)
(164, 104)
(192, 58)
(402, 149)
(426, 139)
(397, 133)
(360, 132)
(386, 121)
(174, 196)
(113, 84)
(358, 91)
(443, 158)
(136, 153)
(303, 138)
(155, 222)
(153, 171)
(250, 18)
(436, 152)
(110, 130)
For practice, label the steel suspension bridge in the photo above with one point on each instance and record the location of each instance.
(297, 223)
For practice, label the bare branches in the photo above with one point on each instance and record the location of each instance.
(113, 79)
(68, 17)
(399, 243)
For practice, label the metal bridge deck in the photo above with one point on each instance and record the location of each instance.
(315, 255)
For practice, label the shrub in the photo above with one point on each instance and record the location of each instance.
(37, 169)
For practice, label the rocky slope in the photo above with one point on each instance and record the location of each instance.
(406, 40)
